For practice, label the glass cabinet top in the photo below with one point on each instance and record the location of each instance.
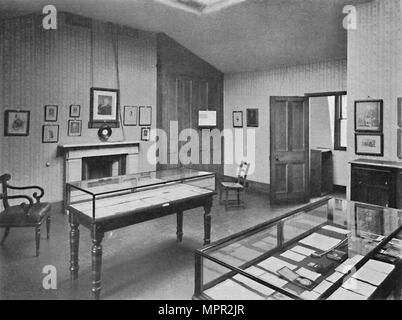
(139, 180)
(322, 240)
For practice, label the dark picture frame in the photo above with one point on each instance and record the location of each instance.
(74, 128)
(252, 118)
(50, 133)
(399, 142)
(145, 133)
(369, 147)
(130, 115)
(51, 113)
(399, 106)
(369, 116)
(369, 220)
(75, 111)
(16, 123)
(237, 119)
(104, 108)
(145, 115)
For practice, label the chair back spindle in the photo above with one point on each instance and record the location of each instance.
(242, 174)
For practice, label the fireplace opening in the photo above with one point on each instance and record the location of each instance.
(103, 166)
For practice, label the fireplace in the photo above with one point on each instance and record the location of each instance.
(103, 166)
(100, 160)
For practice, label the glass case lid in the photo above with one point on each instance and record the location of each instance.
(356, 228)
(139, 180)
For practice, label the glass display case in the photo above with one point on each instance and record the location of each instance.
(97, 198)
(328, 249)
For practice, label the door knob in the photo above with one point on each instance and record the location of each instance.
(276, 159)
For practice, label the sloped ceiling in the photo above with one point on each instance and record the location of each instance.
(253, 35)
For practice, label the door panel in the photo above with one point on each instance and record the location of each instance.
(289, 160)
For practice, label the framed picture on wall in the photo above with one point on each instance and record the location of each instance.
(252, 117)
(51, 112)
(399, 141)
(16, 123)
(369, 144)
(74, 128)
(399, 112)
(369, 221)
(237, 119)
(130, 115)
(50, 133)
(145, 116)
(145, 133)
(104, 108)
(368, 116)
(75, 111)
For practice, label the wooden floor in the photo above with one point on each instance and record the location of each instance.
(139, 262)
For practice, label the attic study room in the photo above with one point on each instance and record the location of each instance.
(201, 150)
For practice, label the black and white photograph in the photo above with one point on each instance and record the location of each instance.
(145, 116)
(104, 106)
(74, 128)
(75, 111)
(145, 133)
(237, 119)
(130, 115)
(370, 144)
(51, 113)
(192, 156)
(50, 133)
(368, 115)
(252, 117)
(16, 123)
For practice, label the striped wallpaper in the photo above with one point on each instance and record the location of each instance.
(40, 67)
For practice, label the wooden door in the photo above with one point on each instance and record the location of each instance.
(289, 149)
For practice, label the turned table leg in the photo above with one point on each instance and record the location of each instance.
(74, 246)
(207, 223)
(96, 263)
(179, 232)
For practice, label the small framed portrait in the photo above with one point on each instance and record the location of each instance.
(74, 128)
(237, 117)
(104, 108)
(75, 111)
(51, 112)
(16, 123)
(399, 141)
(50, 133)
(400, 112)
(145, 133)
(368, 116)
(369, 221)
(369, 144)
(130, 115)
(145, 116)
(252, 117)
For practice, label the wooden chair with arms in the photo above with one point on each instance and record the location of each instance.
(239, 187)
(23, 215)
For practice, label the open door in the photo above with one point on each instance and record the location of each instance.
(289, 149)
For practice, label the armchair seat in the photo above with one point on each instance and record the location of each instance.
(15, 216)
(23, 215)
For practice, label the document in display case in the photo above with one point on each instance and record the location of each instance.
(103, 205)
(310, 253)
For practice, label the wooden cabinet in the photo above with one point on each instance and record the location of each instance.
(321, 172)
(377, 182)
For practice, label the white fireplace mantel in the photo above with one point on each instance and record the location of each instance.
(74, 153)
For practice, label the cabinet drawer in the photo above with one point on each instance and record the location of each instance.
(371, 177)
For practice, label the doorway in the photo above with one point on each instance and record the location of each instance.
(289, 149)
